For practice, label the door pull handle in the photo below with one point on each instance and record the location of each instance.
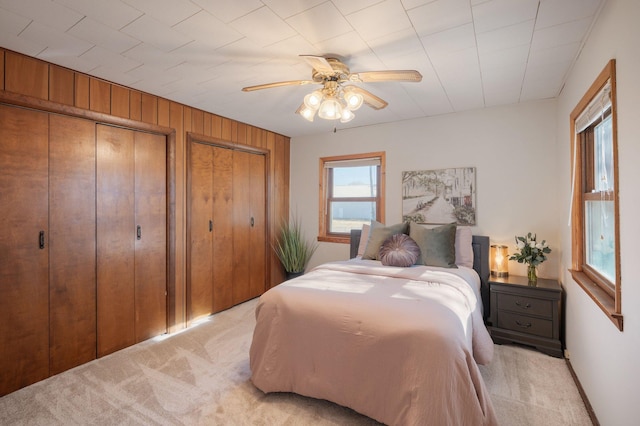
(210, 226)
(41, 240)
(252, 222)
(139, 232)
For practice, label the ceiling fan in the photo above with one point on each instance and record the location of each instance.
(337, 99)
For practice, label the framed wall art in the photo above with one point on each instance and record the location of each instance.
(440, 196)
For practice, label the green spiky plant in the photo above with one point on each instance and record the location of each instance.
(293, 250)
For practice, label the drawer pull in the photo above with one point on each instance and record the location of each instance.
(525, 306)
(523, 325)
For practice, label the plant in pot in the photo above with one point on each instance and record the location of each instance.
(293, 250)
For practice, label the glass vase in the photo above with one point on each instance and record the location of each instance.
(532, 275)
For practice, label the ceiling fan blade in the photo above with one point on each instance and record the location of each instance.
(393, 75)
(318, 63)
(277, 84)
(369, 98)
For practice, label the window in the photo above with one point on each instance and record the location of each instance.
(351, 194)
(594, 213)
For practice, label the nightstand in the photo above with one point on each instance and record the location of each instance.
(526, 314)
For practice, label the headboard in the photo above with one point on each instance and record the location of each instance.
(480, 245)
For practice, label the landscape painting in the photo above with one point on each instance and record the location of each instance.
(440, 196)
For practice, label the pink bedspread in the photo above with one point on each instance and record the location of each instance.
(399, 345)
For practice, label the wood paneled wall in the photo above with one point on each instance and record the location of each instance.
(38, 79)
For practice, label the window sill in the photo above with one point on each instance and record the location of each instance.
(335, 239)
(604, 301)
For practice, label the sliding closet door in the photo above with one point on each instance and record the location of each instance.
(241, 227)
(72, 242)
(249, 232)
(200, 231)
(116, 233)
(258, 225)
(151, 235)
(24, 276)
(222, 260)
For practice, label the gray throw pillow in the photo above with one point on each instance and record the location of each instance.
(378, 234)
(437, 245)
(399, 250)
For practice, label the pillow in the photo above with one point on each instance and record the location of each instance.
(378, 233)
(464, 249)
(399, 250)
(437, 245)
(364, 237)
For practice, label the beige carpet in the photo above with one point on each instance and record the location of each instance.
(201, 377)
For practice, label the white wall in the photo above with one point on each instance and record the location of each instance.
(511, 147)
(605, 359)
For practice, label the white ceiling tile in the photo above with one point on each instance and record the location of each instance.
(113, 75)
(400, 43)
(440, 15)
(350, 6)
(287, 8)
(412, 4)
(102, 35)
(558, 35)
(449, 42)
(460, 77)
(554, 12)
(197, 74)
(544, 81)
(501, 94)
(554, 55)
(507, 58)
(113, 13)
(505, 37)
(291, 48)
(153, 57)
(49, 13)
(263, 27)
(72, 62)
(58, 42)
(156, 34)
(109, 59)
(495, 14)
(226, 10)
(320, 23)
(151, 75)
(345, 46)
(204, 26)
(198, 52)
(379, 20)
(19, 44)
(12, 23)
(169, 12)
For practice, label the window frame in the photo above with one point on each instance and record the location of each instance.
(326, 196)
(606, 294)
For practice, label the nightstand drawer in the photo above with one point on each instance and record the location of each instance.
(523, 304)
(525, 324)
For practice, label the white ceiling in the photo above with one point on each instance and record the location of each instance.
(471, 53)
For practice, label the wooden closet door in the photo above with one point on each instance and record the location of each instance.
(24, 276)
(258, 226)
(151, 235)
(72, 242)
(242, 256)
(200, 231)
(223, 243)
(116, 231)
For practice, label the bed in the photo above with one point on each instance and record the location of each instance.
(399, 345)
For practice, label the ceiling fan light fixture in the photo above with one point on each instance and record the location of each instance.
(347, 115)
(313, 99)
(306, 112)
(330, 109)
(354, 100)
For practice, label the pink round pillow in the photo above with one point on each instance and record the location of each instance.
(399, 250)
